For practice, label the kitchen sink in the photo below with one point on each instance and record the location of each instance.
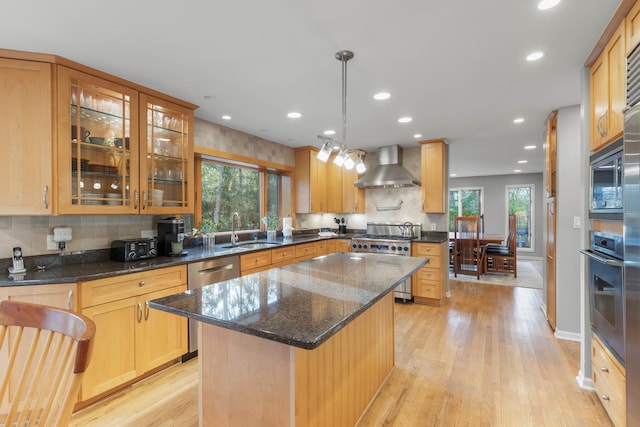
(252, 245)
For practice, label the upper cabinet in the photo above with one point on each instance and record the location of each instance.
(434, 175)
(80, 141)
(632, 27)
(97, 145)
(166, 167)
(26, 132)
(607, 81)
(323, 187)
(120, 151)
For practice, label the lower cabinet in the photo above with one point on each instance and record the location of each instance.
(429, 284)
(131, 339)
(325, 247)
(255, 262)
(62, 295)
(609, 380)
(343, 245)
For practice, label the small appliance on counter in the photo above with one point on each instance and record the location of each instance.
(342, 225)
(18, 262)
(133, 249)
(171, 237)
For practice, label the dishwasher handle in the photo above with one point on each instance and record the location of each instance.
(216, 269)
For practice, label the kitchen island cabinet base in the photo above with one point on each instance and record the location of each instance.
(247, 380)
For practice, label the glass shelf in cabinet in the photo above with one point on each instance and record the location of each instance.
(167, 181)
(163, 132)
(96, 115)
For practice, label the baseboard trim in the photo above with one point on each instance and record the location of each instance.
(568, 336)
(585, 383)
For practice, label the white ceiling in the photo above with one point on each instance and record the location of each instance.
(457, 67)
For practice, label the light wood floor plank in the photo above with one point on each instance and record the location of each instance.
(485, 358)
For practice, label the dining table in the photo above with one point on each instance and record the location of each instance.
(485, 238)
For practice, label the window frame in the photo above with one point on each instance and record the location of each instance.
(228, 159)
(459, 189)
(532, 219)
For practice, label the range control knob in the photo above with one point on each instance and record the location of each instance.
(359, 245)
(393, 248)
(365, 246)
(353, 245)
(406, 248)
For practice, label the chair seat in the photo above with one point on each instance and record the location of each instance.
(498, 250)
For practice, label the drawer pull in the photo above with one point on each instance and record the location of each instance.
(141, 283)
(605, 397)
(604, 369)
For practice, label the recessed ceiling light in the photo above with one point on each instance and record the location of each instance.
(547, 4)
(417, 135)
(529, 147)
(535, 56)
(518, 120)
(226, 117)
(453, 174)
(404, 119)
(329, 132)
(382, 96)
(294, 115)
(523, 161)
(517, 170)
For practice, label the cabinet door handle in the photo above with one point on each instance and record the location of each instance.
(144, 200)
(44, 197)
(69, 297)
(146, 310)
(135, 199)
(604, 369)
(139, 312)
(605, 397)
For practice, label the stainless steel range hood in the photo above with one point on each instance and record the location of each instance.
(389, 173)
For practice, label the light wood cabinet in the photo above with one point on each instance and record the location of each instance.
(325, 187)
(121, 151)
(428, 285)
(131, 339)
(551, 262)
(255, 262)
(551, 154)
(26, 132)
(434, 175)
(305, 251)
(325, 247)
(310, 181)
(607, 86)
(609, 380)
(62, 295)
(632, 27)
(343, 245)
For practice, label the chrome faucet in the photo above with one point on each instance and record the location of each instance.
(234, 236)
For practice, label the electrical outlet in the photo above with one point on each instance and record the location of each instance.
(52, 245)
(148, 234)
(433, 227)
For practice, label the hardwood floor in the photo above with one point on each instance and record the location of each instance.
(486, 358)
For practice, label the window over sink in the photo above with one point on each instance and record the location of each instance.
(228, 186)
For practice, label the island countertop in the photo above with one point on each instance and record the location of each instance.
(301, 304)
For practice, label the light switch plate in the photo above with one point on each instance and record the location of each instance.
(433, 227)
(577, 222)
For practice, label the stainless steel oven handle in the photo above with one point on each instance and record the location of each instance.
(607, 261)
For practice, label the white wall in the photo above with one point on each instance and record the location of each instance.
(570, 186)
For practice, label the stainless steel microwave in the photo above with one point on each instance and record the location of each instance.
(606, 182)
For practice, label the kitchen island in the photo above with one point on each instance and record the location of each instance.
(306, 344)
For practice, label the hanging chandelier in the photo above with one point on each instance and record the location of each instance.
(345, 157)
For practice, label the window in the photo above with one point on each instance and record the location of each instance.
(246, 189)
(520, 202)
(464, 202)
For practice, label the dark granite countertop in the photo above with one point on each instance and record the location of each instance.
(101, 267)
(301, 304)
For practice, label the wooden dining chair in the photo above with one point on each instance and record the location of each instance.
(468, 255)
(502, 258)
(44, 352)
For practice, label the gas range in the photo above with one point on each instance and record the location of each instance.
(387, 238)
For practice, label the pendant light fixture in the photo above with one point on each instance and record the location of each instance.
(344, 157)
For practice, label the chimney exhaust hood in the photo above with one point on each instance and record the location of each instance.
(389, 173)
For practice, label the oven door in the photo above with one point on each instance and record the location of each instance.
(607, 300)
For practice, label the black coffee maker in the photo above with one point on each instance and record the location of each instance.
(170, 237)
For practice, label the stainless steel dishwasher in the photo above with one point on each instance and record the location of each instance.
(205, 273)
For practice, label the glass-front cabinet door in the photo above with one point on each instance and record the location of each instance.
(98, 150)
(166, 166)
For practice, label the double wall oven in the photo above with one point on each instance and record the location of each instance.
(390, 238)
(606, 290)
